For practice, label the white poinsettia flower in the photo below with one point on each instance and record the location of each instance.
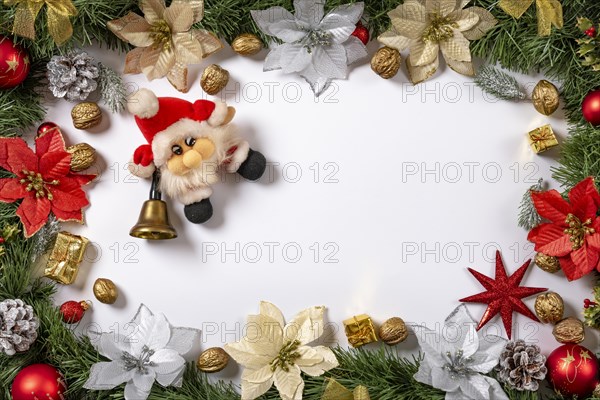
(154, 352)
(273, 352)
(457, 358)
(316, 46)
(428, 26)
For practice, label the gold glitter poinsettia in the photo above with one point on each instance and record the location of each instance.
(428, 26)
(164, 39)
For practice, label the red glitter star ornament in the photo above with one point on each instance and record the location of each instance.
(503, 295)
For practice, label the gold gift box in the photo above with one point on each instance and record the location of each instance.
(65, 258)
(360, 330)
(542, 138)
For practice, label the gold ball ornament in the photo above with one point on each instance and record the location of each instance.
(246, 44)
(86, 115)
(214, 79)
(212, 360)
(547, 263)
(569, 330)
(393, 331)
(83, 156)
(105, 291)
(549, 307)
(386, 62)
(545, 97)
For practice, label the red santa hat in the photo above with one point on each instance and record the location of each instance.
(158, 119)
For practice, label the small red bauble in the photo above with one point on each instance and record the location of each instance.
(591, 32)
(591, 107)
(45, 128)
(14, 63)
(38, 381)
(72, 311)
(361, 33)
(573, 370)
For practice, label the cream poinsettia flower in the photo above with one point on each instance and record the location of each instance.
(164, 39)
(428, 26)
(275, 352)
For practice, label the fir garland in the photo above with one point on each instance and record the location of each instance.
(512, 43)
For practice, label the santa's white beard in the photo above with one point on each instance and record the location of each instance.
(193, 186)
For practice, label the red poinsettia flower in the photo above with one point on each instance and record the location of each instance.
(573, 233)
(43, 180)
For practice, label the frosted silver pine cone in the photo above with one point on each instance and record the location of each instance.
(72, 76)
(522, 366)
(18, 326)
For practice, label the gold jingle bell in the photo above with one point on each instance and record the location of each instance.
(153, 222)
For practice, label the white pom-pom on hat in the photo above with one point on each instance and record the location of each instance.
(219, 114)
(143, 104)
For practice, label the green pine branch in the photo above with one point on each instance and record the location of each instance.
(89, 27)
(21, 107)
(579, 157)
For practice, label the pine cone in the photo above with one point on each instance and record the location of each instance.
(72, 76)
(18, 326)
(522, 366)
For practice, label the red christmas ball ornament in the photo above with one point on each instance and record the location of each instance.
(591, 107)
(14, 63)
(45, 128)
(38, 381)
(362, 33)
(72, 311)
(573, 370)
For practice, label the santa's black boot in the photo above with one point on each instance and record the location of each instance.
(254, 166)
(198, 212)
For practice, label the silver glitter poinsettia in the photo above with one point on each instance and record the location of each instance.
(458, 356)
(72, 76)
(154, 352)
(18, 326)
(319, 48)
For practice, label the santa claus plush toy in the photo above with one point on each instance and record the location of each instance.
(190, 143)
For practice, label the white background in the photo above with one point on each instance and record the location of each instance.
(348, 176)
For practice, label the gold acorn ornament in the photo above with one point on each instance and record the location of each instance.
(547, 263)
(545, 97)
(214, 79)
(386, 62)
(105, 291)
(246, 44)
(212, 360)
(83, 156)
(549, 307)
(569, 330)
(393, 331)
(86, 115)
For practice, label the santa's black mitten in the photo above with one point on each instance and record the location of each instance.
(254, 166)
(199, 212)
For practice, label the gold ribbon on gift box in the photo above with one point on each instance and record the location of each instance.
(65, 257)
(549, 12)
(337, 391)
(360, 330)
(542, 138)
(58, 15)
